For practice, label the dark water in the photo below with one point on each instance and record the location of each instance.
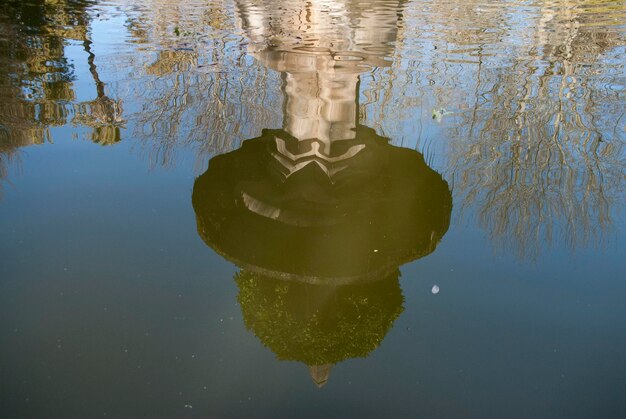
(312, 209)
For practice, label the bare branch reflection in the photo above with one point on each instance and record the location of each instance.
(542, 157)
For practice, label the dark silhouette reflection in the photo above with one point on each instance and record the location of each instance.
(318, 221)
(321, 213)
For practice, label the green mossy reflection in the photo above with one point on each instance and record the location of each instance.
(318, 324)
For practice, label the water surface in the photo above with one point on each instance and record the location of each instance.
(305, 209)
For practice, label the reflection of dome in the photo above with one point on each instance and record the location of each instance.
(326, 219)
(318, 324)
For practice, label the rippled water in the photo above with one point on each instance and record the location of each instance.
(304, 209)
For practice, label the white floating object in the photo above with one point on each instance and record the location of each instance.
(435, 289)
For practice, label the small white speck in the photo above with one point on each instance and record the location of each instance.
(188, 406)
(375, 250)
(435, 289)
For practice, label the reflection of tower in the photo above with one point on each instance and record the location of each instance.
(321, 213)
(321, 48)
(312, 249)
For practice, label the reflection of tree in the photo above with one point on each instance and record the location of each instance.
(544, 155)
(318, 324)
(209, 111)
(534, 140)
(202, 91)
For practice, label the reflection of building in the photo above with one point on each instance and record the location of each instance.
(37, 78)
(35, 75)
(321, 213)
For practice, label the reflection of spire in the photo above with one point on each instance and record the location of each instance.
(103, 114)
(320, 374)
(92, 67)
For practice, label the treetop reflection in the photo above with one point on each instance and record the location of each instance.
(319, 325)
